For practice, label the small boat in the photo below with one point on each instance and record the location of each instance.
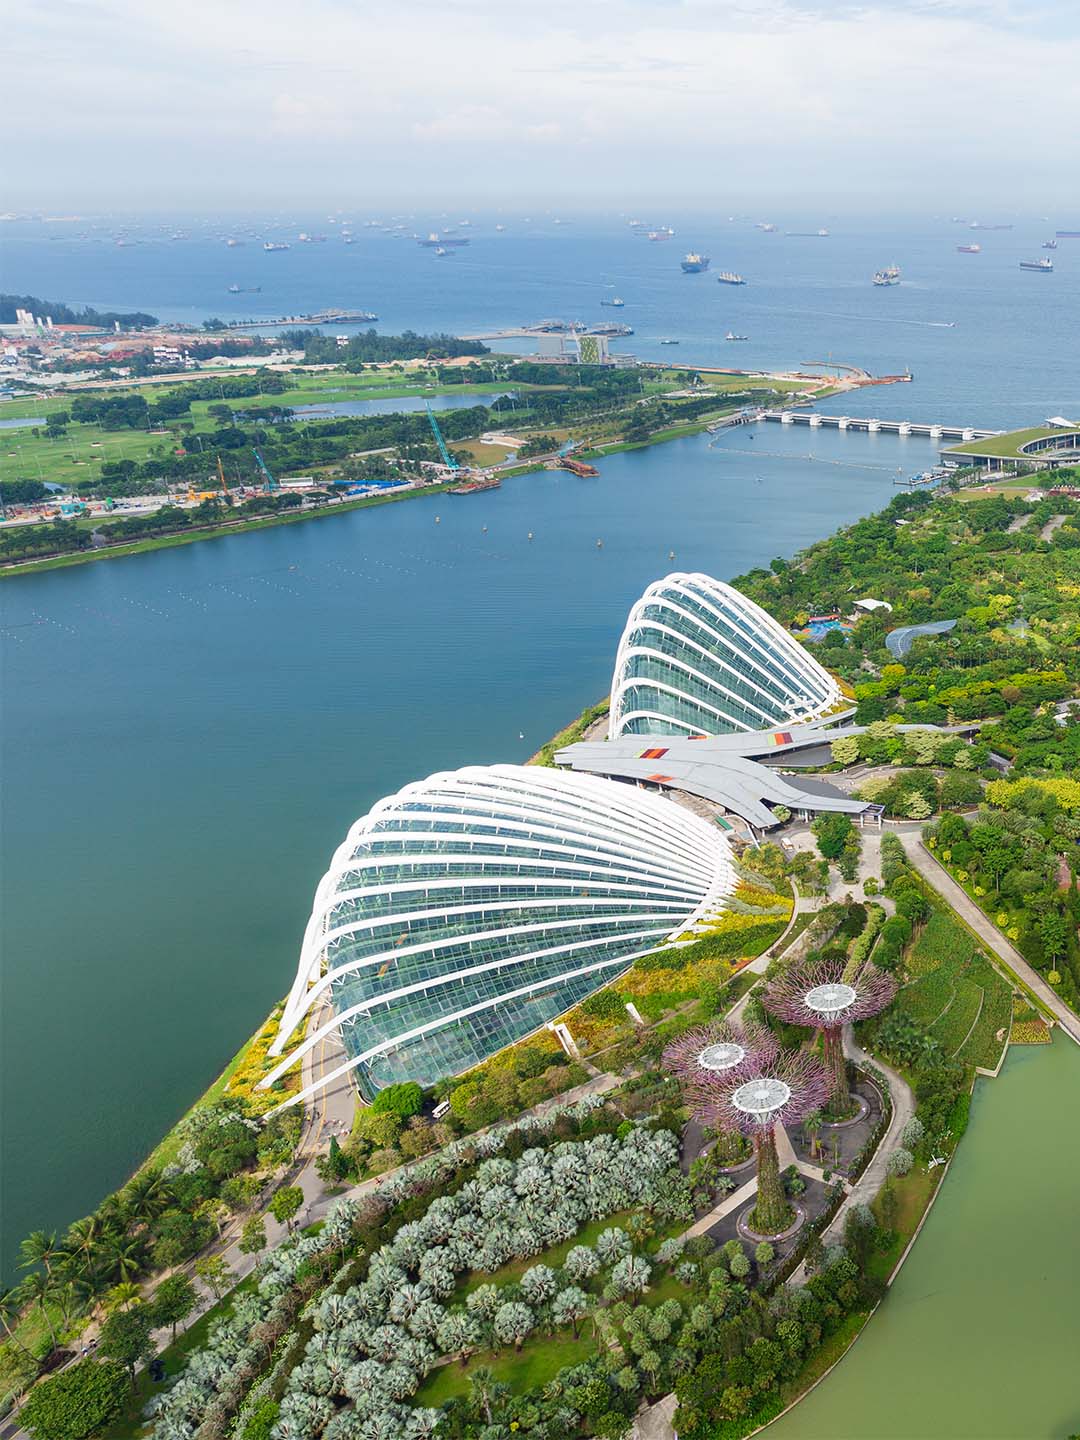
(669, 342)
(614, 302)
(891, 276)
(1049, 245)
(732, 336)
(472, 487)
(441, 250)
(729, 277)
(275, 245)
(969, 249)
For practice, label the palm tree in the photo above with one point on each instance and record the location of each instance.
(83, 1241)
(12, 1300)
(38, 1289)
(124, 1256)
(481, 1385)
(146, 1195)
(122, 1297)
(39, 1248)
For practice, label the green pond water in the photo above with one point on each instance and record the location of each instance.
(977, 1339)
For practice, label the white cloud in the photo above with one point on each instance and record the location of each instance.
(615, 99)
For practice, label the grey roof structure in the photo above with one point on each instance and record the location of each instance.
(738, 772)
(898, 642)
(711, 769)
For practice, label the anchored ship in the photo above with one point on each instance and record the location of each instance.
(969, 249)
(732, 336)
(729, 277)
(275, 245)
(1049, 245)
(889, 276)
(1045, 264)
(694, 263)
(436, 241)
(614, 302)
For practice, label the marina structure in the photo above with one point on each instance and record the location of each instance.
(697, 657)
(473, 907)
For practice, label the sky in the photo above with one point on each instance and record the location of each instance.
(235, 104)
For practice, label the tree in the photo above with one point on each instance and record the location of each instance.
(570, 1307)
(845, 751)
(173, 1301)
(286, 1204)
(458, 1334)
(122, 1297)
(215, 1274)
(125, 1337)
(403, 1100)
(39, 1289)
(630, 1275)
(253, 1235)
(1054, 933)
(39, 1248)
(12, 1301)
(811, 1125)
(77, 1403)
(899, 1162)
(512, 1323)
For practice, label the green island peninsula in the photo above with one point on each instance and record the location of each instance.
(554, 1243)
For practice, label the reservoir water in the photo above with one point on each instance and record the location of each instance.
(977, 1338)
(188, 734)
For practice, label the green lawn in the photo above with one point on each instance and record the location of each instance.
(952, 1027)
(1008, 444)
(539, 1360)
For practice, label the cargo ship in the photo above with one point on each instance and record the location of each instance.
(729, 277)
(245, 289)
(435, 240)
(694, 263)
(1045, 264)
(664, 233)
(889, 276)
(732, 336)
(276, 245)
(969, 249)
(615, 303)
(472, 487)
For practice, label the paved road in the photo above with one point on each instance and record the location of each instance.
(939, 878)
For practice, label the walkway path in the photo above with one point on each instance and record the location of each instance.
(939, 878)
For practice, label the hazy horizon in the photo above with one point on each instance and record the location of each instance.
(918, 108)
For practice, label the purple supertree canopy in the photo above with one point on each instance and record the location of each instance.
(711, 1058)
(819, 997)
(782, 1092)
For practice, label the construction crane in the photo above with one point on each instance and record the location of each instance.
(269, 483)
(221, 477)
(448, 459)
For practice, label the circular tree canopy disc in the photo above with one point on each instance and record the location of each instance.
(761, 1097)
(724, 1055)
(831, 1000)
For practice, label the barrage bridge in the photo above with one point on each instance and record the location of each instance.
(932, 431)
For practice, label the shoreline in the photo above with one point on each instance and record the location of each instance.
(263, 522)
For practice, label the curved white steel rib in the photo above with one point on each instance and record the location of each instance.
(720, 656)
(405, 955)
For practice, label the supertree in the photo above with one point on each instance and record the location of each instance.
(709, 1058)
(792, 1085)
(818, 996)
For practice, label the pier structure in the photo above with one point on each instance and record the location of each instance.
(932, 431)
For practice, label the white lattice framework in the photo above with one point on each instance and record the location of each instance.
(477, 889)
(698, 657)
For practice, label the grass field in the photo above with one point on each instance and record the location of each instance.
(957, 996)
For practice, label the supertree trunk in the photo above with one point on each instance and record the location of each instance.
(771, 1214)
(840, 1104)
